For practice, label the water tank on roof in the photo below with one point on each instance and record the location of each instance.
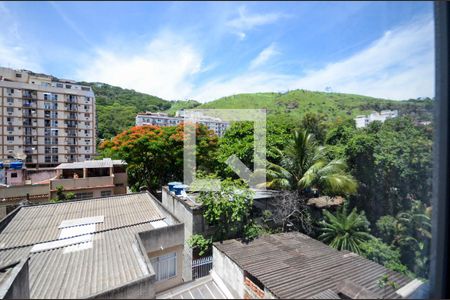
(1, 165)
(172, 184)
(178, 189)
(17, 165)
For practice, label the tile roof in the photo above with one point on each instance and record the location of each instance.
(293, 265)
(106, 257)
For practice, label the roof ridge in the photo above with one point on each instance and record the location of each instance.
(80, 200)
(71, 237)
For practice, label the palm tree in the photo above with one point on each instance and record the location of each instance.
(304, 166)
(345, 231)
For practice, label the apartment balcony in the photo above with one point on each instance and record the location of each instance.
(82, 183)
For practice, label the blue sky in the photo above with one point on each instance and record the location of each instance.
(206, 50)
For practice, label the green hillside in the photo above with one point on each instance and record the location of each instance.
(293, 105)
(117, 107)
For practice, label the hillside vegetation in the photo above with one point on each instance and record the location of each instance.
(292, 106)
(117, 107)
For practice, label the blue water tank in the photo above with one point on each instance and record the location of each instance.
(178, 189)
(1, 165)
(172, 184)
(17, 165)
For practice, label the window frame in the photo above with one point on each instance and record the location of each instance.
(439, 261)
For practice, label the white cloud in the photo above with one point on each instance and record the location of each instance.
(247, 21)
(163, 68)
(12, 52)
(399, 65)
(264, 56)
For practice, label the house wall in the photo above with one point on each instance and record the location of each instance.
(194, 223)
(178, 279)
(159, 241)
(230, 273)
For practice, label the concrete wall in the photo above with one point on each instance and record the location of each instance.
(22, 191)
(194, 223)
(230, 273)
(40, 175)
(15, 284)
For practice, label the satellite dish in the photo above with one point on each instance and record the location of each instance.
(20, 155)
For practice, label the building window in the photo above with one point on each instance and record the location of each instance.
(10, 148)
(165, 266)
(59, 85)
(87, 156)
(10, 91)
(13, 175)
(10, 128)
(48, 159)
(10, 138)
(85, 195)
(10, 109)
(18, 75)
(105, 193)
(10, 100)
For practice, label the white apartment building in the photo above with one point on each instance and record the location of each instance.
(162, 119)
(364, 120)
(45, 120)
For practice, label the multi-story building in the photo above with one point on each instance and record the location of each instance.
(162, 119)
(45, 120)
(364, 120)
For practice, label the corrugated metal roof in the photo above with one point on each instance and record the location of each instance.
(293, 265)
(104, 163)
(110, 258)
(202, 288)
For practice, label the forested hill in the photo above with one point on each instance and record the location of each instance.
(117, 107)
(293, 105)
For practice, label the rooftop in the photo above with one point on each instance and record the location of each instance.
(82, 248)
(293, 265)
(91, 164)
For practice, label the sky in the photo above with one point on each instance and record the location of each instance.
(208, 50)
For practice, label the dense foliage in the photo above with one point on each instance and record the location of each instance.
(313, 149)
(345, 231)
(304, 167)
(155, 154)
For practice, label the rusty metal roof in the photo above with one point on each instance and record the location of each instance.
(293, 265)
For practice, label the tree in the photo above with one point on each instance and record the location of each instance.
(290, 212)
(304, 167)
(315, 124)
(239, 140)
(228, 210)
(410, 232)
(155, 154)
(383, 254)
(345, 231)
(61, 196)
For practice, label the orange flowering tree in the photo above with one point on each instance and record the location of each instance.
(155, 154)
